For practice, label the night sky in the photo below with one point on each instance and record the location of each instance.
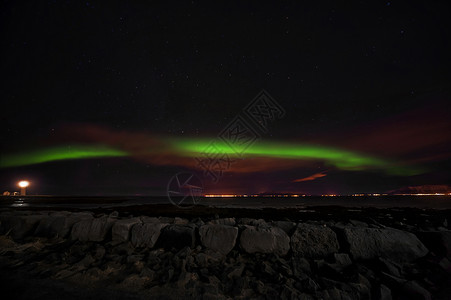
(116, 99)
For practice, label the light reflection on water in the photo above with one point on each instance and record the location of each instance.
(20, 203)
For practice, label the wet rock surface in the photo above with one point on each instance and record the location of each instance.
(75, 255)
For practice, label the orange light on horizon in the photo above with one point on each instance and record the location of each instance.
(23, 187)
(23, 183)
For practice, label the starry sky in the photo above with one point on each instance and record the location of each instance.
(116, 99)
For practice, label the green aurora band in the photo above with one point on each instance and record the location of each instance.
(341, 159)
(58, 153)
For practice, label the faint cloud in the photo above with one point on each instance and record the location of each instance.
(312, 177)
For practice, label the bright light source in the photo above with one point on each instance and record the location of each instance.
(24, 183)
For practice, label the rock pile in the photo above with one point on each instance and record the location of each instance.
(229, 258)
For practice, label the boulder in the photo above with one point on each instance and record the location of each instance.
(146, 235)
(385, 293)
(286, 226)
(146, 219)
(246, 221)
(438, 242)
(95, 230)
(342, 261)
(394, 244)
(314, 241)
(300, 266)
(59, 224)
(220, 238)
(259, 223)
(178, 236)
(20, 226)
(412, 290)
(80, 230)
(265, 240)
(209, 258)
(389, 267)
(121, 229)
(178, 220)
(224, 221)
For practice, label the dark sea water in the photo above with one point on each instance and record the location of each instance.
(433, 201)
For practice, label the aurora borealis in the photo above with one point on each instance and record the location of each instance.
(58, 153)
(341, 159)
(115, 100)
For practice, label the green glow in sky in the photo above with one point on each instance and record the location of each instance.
(342, 159)
(339, 158)
(58, 153)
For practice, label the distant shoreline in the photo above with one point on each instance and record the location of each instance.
(94, 202)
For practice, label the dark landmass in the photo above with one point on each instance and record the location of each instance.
(423, 189)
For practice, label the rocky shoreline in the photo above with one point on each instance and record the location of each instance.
(327, 253)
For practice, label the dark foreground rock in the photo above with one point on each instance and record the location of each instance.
(95, 229)
(178, 236)
(220, 238)
(437, 241)
(105, 256)
(265, 240)
(146, 235)
(314, 241)
(369, 243)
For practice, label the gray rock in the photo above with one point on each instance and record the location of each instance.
(300, 266)
(385, 293)
(314, 241)
(397, 245)
(94, 230)
(259, 222)
(135, 258)
(246, 221)
(59, 224)
(114, 214)
(198, 222)
(121, 229)
(445, 264)
(333, 294)
(224, 221)
(390, 267)
(85, 262)
(168, 220)
(236, 271)
(220, 238)
(363, 286)
(22, 226)
(80, 230)
(208, 258)
(438, 242)
(178, 236)
(342, 261)
(265, 240)
(146, 219)
(358, 223)
(178, 220)
(392, 281)
(413, 290)
(146, 235)
(286, 226)
(99, 252)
